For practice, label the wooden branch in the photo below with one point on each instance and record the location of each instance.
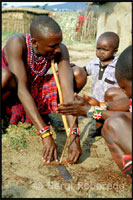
(68, 139)
(60, 95)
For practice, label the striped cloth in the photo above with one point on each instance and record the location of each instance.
(127, 162)
(42, 86)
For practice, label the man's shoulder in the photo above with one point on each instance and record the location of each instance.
(18, 39)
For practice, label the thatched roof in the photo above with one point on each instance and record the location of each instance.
(28, 10)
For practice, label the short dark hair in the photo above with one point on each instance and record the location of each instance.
(112, 36)
(123, 68)
(42, 25)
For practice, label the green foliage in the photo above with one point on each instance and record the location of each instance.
(18, 141)
(17, 136)
(37, 6)
(6, 35)
(44, 6)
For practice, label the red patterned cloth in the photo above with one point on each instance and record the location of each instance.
(130, 107)
(127, 162)
(42, 86)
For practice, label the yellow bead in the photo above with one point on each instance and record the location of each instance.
(45, 135)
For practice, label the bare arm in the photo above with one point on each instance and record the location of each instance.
(66, 78)
(15, 49)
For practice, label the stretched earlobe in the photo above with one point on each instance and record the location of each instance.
(34, 42)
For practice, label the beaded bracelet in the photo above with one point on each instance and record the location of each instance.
(98, 112)
(74, 131)
(45, 132)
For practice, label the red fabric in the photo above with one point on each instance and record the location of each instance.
(41, 86)
(127, 162)
(80, 23)
(130, 107)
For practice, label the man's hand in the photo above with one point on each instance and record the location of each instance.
(49, 149)
(74, 149)
(75, 108)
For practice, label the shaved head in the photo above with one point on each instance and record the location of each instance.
(111, 37)
(123, 69)
(43, 25)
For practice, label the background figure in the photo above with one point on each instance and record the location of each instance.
(79, 26)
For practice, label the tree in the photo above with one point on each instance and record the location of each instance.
(44, 6)
(37, 6)
(4, 4)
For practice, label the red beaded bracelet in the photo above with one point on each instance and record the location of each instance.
(43, 130)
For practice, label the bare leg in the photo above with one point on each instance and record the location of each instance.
(111, 94)
(117, 133)
(8, 89)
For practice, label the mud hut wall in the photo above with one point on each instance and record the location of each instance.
(116, 17)
(17, 21)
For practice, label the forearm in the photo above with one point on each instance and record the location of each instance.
(68, 92)
(31, 108)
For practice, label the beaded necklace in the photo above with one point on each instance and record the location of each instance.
(37, 61)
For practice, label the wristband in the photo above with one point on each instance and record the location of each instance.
(98, 112)
(45, 135)
(44, 132)
(74, 131)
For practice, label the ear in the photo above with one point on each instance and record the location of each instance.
(34, 42)
(115, 51)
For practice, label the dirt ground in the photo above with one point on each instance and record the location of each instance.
(94, 176)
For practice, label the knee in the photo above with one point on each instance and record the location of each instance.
(110, 130)
(7, 79)
(80, 77)
(113, 93)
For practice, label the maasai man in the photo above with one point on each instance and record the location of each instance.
(26, 58)
(117, 128)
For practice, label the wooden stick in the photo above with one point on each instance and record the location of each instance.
(68, 139)
(63, 116)
(60, 95)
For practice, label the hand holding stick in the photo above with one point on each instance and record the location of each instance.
(68, 139)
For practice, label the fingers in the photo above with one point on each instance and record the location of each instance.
(73, 158)
(49, 150)
(55, 155)
(45, 155)
(49, 155)
(78, 97)
(86, 97)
